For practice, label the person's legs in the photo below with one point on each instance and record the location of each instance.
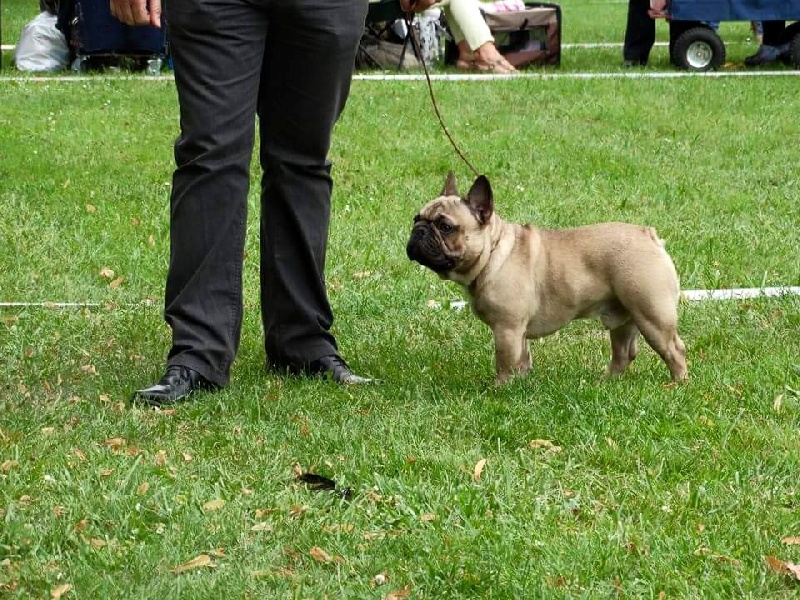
(473, 37)
(467, 22)
(309, 58)
(773, 45)
(217, 50)
(640, 33)
(773, 32)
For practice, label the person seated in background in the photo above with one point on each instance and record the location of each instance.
(774, 45)
(476, 47)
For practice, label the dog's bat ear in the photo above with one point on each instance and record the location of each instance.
(450, 187)
(480, 199)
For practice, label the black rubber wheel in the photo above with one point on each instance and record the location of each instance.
(699, 49)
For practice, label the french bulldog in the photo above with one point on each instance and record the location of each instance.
(525, 282)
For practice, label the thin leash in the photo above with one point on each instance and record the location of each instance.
(409, 18)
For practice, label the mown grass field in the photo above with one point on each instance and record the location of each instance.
(590, 488)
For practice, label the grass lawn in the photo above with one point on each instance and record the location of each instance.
(589, 489)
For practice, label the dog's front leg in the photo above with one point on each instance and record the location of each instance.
(511, 354)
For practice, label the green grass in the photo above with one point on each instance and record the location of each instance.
(681, 490)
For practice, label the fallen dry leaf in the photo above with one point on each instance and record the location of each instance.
(426, 517)
(115, 443)
(90, 369)
(783, 567)
(60, 590)
(90, 208)
(297, 511)
(203, 560)
(541, 444)
(160, 458)
(142, 489)
(106, 472)
(792, 540)
(116, 283)
(106, 273)
(478, 470)
(319, 555)
(338, 527)
(214, 504)
(81, 525)
(98, 543)
(8, 465)
(261, 526)
(399, 594)
(47, 430)
(703, 551)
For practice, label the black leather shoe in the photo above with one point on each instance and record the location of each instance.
(176, 385)
(764, 56)
(331, 367)
(633, 63)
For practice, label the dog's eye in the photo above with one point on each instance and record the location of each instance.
(445, 227)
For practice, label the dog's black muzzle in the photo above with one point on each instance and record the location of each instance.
(425, 247)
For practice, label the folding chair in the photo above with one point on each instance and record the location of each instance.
(377, 30)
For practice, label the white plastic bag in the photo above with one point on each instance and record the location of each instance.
(41, 46)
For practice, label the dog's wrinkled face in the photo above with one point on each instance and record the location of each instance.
(449, 233)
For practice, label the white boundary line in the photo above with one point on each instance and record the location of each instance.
(689, 295)
(439, 76)
(700, 295)
(436, 76)
(74, 304)
(547, 76)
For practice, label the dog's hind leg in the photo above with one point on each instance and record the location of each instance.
(663, 338)
(623, 347)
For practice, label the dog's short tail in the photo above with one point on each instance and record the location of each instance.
(651, 231)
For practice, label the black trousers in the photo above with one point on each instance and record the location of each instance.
(640, 32)
(289, 62)
(774, 33)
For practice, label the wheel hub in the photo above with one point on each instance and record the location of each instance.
(699, 55)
